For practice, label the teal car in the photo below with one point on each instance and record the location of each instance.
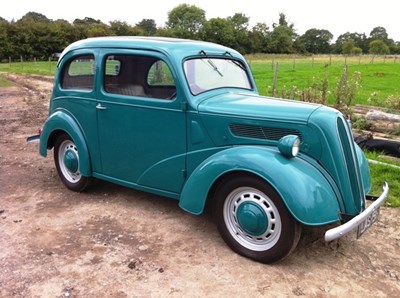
(183, 119)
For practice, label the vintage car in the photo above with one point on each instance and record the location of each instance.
(183, 119)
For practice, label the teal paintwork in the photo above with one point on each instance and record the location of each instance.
(306, 192)
(182, 146)
(71, 161)
(253, 106)
(60, 121)
(252, 218)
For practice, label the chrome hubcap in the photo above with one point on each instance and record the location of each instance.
(68, 160)
(252, 218)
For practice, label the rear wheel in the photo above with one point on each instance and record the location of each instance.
(66, 158)
(253, 220)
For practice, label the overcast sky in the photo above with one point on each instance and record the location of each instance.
(338, 16)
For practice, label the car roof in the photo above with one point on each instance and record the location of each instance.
(179, 48)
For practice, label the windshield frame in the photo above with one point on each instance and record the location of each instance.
(214, 67)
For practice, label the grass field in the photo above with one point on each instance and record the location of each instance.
(380, 76)
(46, 68)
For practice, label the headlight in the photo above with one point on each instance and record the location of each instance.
(289, 146)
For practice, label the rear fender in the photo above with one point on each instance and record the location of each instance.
(304, 190)
(62, 122)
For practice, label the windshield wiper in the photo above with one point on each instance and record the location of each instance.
(236, 62)
(211, 63)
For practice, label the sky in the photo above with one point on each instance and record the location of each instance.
(338, 17)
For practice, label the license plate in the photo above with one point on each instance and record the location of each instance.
(362, 227)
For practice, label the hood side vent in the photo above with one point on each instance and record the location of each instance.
(261, 132)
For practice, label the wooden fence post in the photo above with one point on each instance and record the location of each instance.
(294, 62)
(275, 79)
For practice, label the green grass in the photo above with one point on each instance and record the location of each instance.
(46, 68)
(381, 173)
(4, 82)
(380, 78)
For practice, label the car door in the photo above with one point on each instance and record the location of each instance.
(141, 123)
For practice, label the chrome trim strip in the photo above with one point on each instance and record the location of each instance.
(349, 226)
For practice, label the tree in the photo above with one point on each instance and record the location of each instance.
(316, 41)
(62, 34)
(5, 44)
(240, 24)
(35, 17)
(360, 41)
(148, 26)
(259, 37)
(86, 21)
(84, 28)
(378, 47)
(96, 30)
(185, 21)
(218, 30)
(119, 28)
(280, 41)
(379, 33)
(349, 47)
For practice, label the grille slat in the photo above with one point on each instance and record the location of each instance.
(350, 155)
(261, 132)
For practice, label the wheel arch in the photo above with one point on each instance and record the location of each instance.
(305, 191)
(57, 124)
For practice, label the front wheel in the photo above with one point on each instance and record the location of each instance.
(66, 158)
(253, 220)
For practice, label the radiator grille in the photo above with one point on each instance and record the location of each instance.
(351, 162)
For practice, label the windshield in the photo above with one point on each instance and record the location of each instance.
(205, 74)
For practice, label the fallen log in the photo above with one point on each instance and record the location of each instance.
(379, 115)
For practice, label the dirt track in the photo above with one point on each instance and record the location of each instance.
(116, 242)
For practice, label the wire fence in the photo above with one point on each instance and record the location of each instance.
(325, 60)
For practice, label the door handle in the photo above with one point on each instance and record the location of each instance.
(100, 107)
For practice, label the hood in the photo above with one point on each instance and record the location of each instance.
(255, 106)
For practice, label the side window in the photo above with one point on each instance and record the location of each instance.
(79, 73)
(138, 76)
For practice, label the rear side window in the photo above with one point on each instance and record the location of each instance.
(79, 73)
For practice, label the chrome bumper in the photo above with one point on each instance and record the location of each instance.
(32, 139)
(352, 224)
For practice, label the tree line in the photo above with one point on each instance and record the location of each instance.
(34, 35)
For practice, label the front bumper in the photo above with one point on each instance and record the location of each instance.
(352, 224)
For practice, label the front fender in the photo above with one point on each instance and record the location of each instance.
(303, 188)
(62, 122)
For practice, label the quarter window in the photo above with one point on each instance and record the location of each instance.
(160, 75)
(79, 73)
